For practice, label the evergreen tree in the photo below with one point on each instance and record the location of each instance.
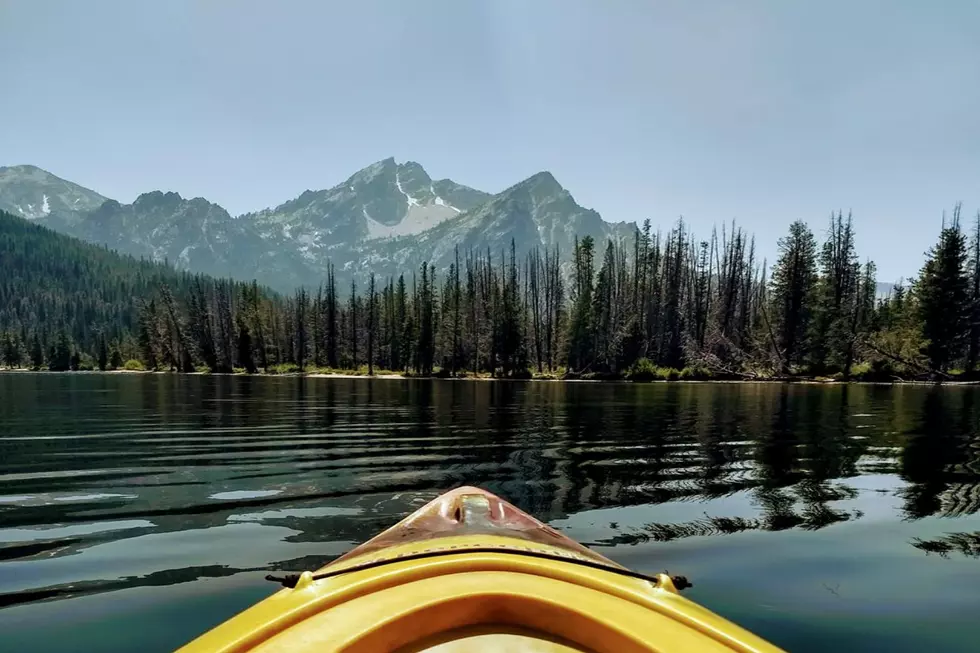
(115, 359)
(832, 337)
(973, 351)
(201, 325)
(148, 334)
(275, 335)
(862, 315)
(256, 328)
(536, 296)
(333, 359)
(509, 322)
(61, 354)
(700, 299)
(244, 343)
(10, 350)
(103, 359)
(37, 352)
(302, 339)
(580, 344)
(287, 333)
(224, 326)
(472, 314)
(316, 327)
(371, 310)
(674, 275)
(943, 293)
(555, 306)
(792, 293)
(174, 334)
(352, 312)
(425, 300)
(604, 313)
(402, 332)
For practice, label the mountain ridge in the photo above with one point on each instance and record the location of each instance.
(385, 218)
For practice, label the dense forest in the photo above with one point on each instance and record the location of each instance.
(664, 305)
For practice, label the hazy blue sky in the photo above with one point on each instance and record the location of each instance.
(761, 111)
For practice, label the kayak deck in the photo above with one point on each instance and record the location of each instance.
(471, 572)
(491, 639)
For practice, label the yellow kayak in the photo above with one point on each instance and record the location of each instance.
(470, 572)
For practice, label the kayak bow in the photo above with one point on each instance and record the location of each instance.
(470, 572)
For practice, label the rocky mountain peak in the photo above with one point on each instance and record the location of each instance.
(157, 198)
(414, 182)
(379, 170)
(541, 186)
(383, 200)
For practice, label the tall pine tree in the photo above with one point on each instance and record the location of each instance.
(792, 293)
(943, 292)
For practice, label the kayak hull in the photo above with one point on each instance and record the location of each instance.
(471, 572)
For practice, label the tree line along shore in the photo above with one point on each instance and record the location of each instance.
(665, 305)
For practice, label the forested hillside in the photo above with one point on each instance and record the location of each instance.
(65, 303)
(665, 305)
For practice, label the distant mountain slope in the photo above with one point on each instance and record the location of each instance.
(535, 212)
(193, 234)
(386, 218)
(32, 193)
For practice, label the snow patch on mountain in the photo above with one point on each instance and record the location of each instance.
(32, 212)
(411, 200)
(438, 201)
(416, 220)
(306, 244)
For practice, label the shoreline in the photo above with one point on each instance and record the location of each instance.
(387, 376)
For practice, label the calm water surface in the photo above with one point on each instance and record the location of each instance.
(137, 511)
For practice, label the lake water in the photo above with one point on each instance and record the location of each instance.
(137, 511)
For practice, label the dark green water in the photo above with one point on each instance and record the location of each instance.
(138, 511)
